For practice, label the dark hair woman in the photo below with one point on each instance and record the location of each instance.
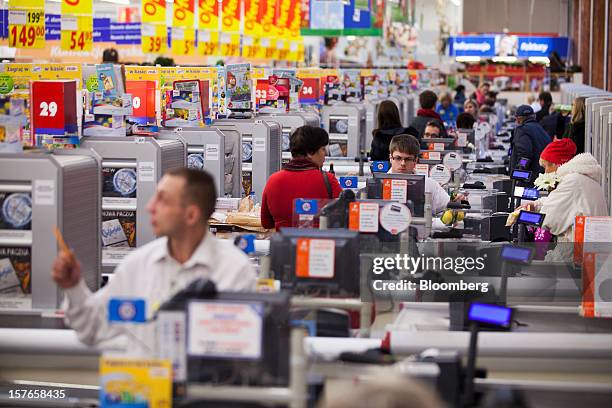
(389, 125)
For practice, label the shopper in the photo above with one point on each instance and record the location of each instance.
(460, 97)
(545, 101)
(528, 141)
(471, 107)
(575, 130)
(389, 125)
(302, 177)
(447, 111)
(427, 100)
(433, 130)
(404, 156)
(179, 211)
(110, 56)
(577, 193)
(481, 93)
(465, 121)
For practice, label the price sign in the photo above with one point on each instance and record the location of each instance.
(309, 93)
(53, 110)
(261, 91)
(208, 14)
(208, 43)
(183, 13)
(183, 41)
(77, 33)
(250, 47)
(26, 28)
(154, 38)
(230, 15)
(154, 11)
(77, 7)
(230, 45)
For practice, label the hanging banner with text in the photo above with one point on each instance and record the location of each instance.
(183, 13)
(154, 38)
(208, 15)
(154, 11)
(230, 16)
(26, 22)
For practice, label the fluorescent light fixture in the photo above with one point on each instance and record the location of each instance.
(120, 2)
(505, 59)
(456, 2)
(351, 37)
(467, 59)
(539, 60)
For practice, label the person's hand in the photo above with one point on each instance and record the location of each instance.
(66, 270)
(528, 206)
(460, 197)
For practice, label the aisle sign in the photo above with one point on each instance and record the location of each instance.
(77, 33)
(183, 41)
(26, 24)
(208, 15)
(183, 13)
(208, 43)
(154, 38)
(154, 11)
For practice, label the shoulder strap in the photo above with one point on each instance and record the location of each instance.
(330, 195)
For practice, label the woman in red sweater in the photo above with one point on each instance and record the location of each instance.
(302, 177)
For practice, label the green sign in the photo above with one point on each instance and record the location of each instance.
(92, 84)
(6, 84)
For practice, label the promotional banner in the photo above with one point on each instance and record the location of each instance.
(252, 26)
(230, 15)
(183, 41)
(154, 11)
(26, 24)
(507, 46)
(294, 19)
(208, 43)
(267, 13)
(183, 13)
(281, 18)
(208, 14)
(154, 39)
(77, 33)
(77, 7)
(230, 44)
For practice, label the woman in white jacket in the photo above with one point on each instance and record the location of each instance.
(577, 193)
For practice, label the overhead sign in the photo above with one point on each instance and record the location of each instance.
(507, 45)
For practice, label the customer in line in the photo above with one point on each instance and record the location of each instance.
(545, 101)
(481, 93)
(528, 141)
(460, 97)
(302, 177)
(183, 202)
(447, 111)
(465, 121)
(471, 107)
(577, 193)
(575, 129)
(389, 125)
(427, 101)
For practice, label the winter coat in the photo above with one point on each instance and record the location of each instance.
(578, 193)
(528, 141)
(575, 131)
(379, 150)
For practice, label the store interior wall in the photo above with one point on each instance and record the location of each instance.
(549, 16)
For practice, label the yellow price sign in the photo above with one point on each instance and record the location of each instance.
(250, 47)
(77, 33)
(26, 28)
(154, 38)
(183, 41)
(208, 43)
(77, 7)
(230, 44)
(266, 48)
(282, 50)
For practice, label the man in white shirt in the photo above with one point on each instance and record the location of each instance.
(179, 210)
(404, 155)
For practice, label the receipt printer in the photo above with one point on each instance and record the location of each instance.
(503, 185)
(490, 227)
(495, 202)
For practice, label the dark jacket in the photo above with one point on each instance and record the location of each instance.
(576, 133)
(554, 124)
(380, 142)
(528, 141)
(542, 113)
(420, 122)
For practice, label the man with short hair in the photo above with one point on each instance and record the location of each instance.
(433, 130)
(404, 156)
(528, 141)
(427, 113)
(183, 202)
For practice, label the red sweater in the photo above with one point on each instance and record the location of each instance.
(285, 186)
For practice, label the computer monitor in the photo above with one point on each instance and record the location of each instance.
(317, 261)
(406, 188)
(216, 350)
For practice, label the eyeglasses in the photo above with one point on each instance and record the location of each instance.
(399, 159)
(431, 135)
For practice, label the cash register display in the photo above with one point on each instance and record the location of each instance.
(521, 175)
(526, 193)
(532, 218)
(523, 162)
(515, 254)
(490, 314)
(415, 194)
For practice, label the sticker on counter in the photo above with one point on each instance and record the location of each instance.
(395, 190)
(146, 171)
(44, 192)
(380, 166)
(395, 218)
(421, 169)
(212, 152)
(315, 258)
(429, 155)
(195, 161)
(127, 311)
(453, 161)
(349, 181)
(119, 186)
(363, 217)
(259, 144)
(16, 217)
(15, 272)
(440, 173)
(172, 333)
(438, 147)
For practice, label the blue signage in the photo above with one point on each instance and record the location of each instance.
(542, 46)
(356, 17)
(380, 166)
(506, 46)
(125, 33)
(349, 182)
(472, 46)
(306, 207)
(127, 310)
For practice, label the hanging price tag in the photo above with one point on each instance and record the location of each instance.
(183, 13)
(77, 33)
(183, 41)
(154, 38)
(208, 43)
(230, 45)
(261, 91)
(26, 28)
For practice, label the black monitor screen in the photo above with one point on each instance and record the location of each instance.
(317, 261)
(384, 186)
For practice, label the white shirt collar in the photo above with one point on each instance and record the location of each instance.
(202, 255)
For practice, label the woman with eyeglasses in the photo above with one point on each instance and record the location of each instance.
(389, 125)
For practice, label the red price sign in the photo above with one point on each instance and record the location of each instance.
(261, 91)
(143, 99)
(53, 109)
(310, 91)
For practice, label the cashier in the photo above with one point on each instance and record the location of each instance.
(302, 177)
(186, 250)
(577, 192)
(404, 156)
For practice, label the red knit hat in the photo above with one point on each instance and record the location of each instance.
(559, 152)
